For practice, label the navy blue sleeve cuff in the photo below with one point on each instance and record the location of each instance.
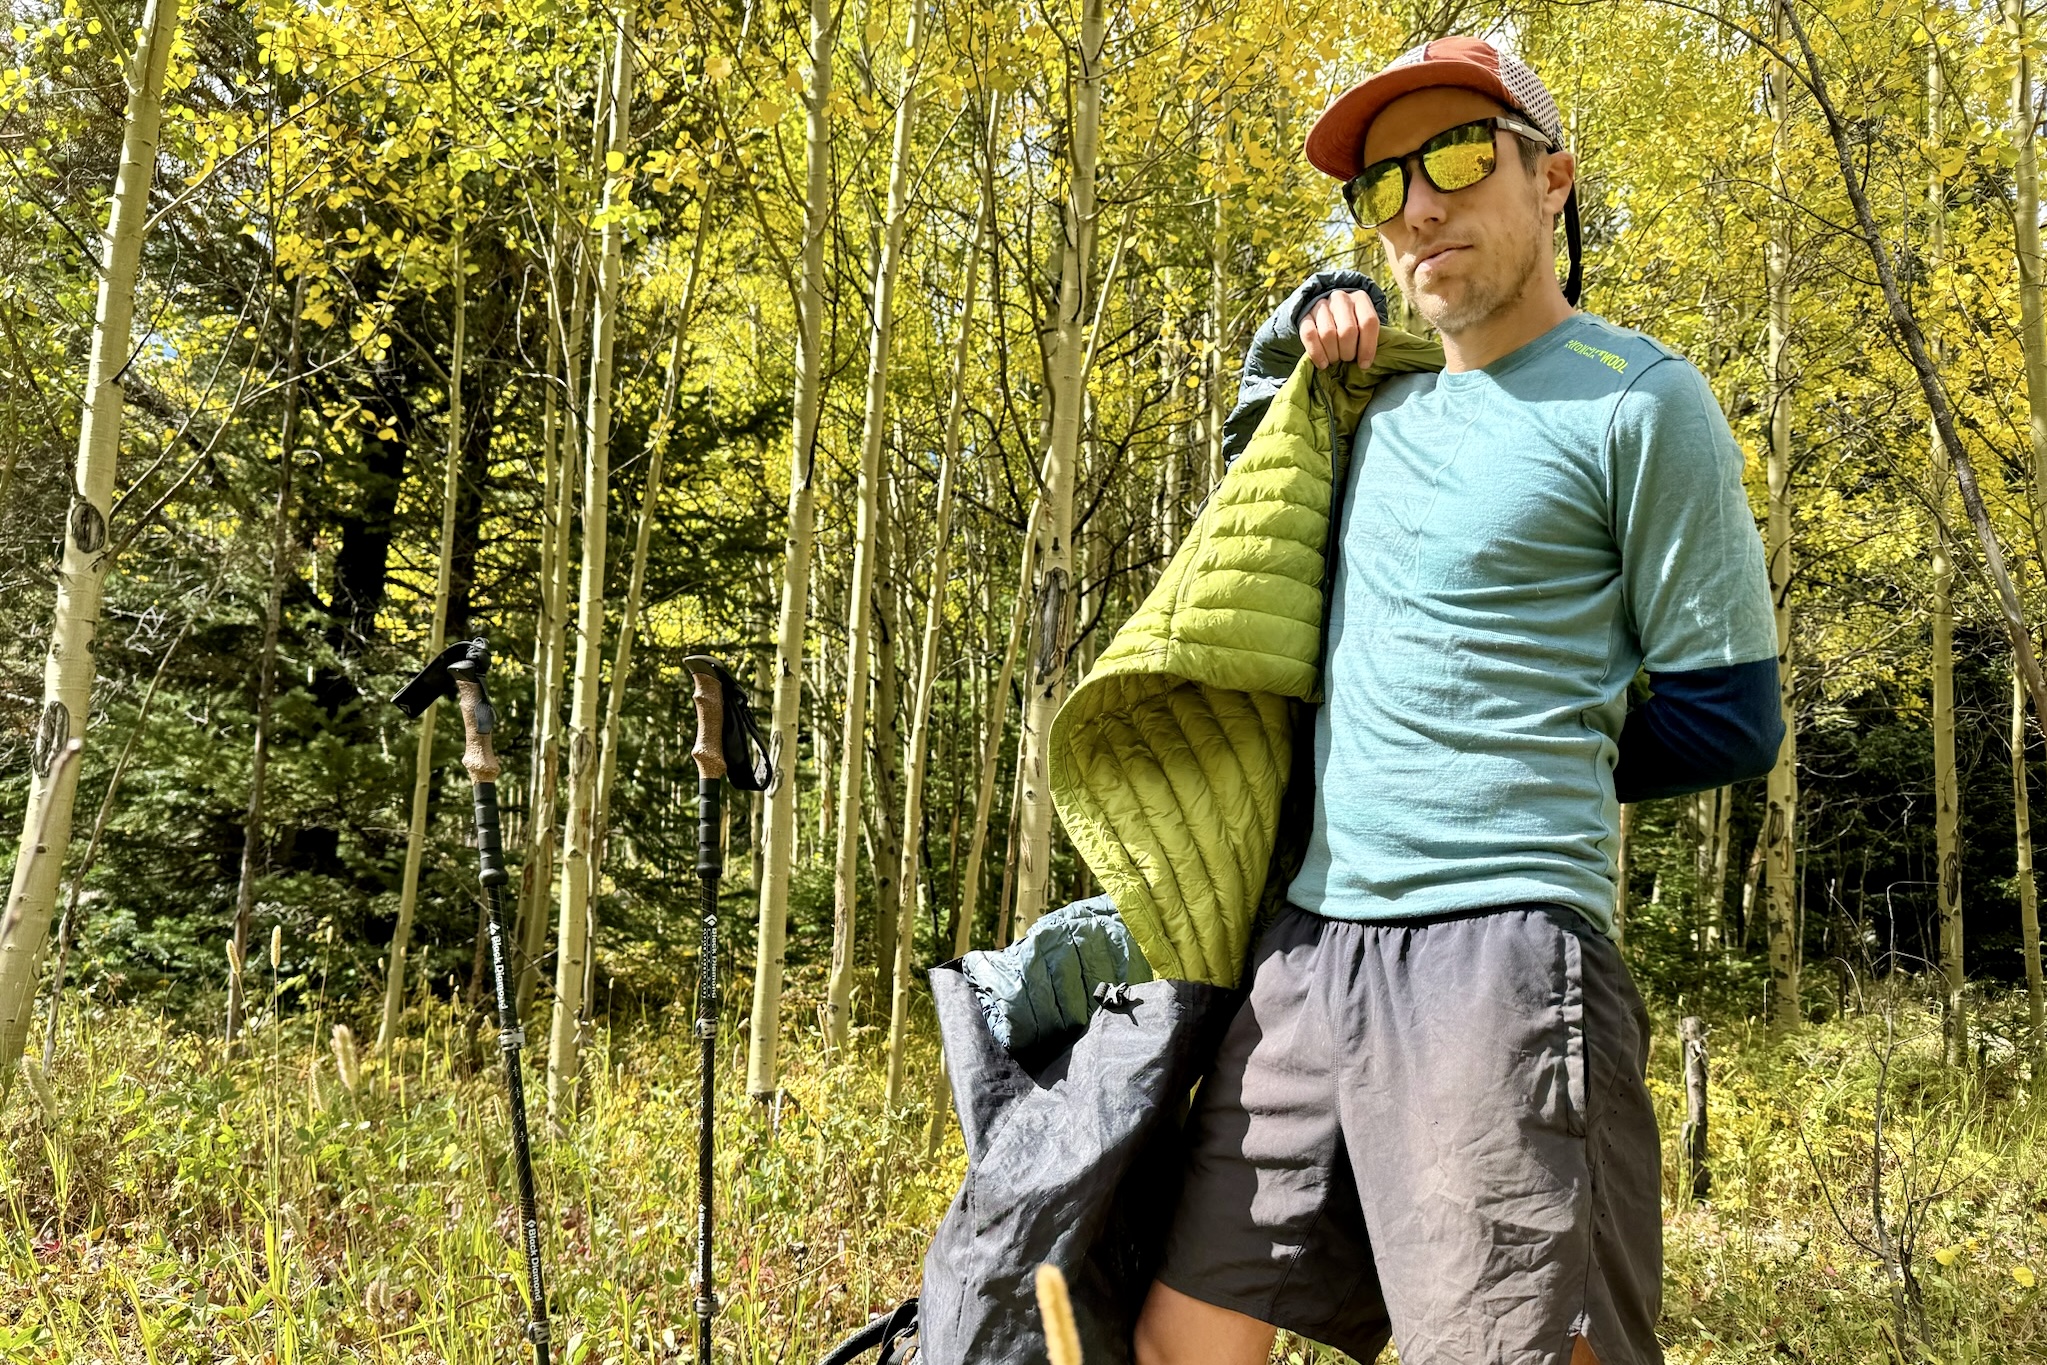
(1700, 729)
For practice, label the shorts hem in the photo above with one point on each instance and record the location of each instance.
(1235, 1304)
(1279, 1322)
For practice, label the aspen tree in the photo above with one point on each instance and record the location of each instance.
(1711, 813)
(629, 613)
(266, 668)
(1066, 393)
(572, 932)
(1172, 464)
(544, 775)
(1912, 341)
(996, 714)
(423, 754)
(2033, 346)
(567, 247)
(66, 926)
(927, 655)
(2029, 889)
(68, 667)
(1216, 320)
(884, 837)
(1620, 875)
(1716, 872)
(778, 824)
(1781, 812)
(1946, 779)
(567, 254)
(859, 605)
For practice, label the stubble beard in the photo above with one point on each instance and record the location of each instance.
(1486, 294)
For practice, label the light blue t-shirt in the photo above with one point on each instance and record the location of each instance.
(1516, 542)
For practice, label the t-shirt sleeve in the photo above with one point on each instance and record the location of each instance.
(1697, 592)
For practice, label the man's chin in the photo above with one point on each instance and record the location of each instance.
(1445, 314)
(1456, 311)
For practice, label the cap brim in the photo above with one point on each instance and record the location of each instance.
(1336, 144)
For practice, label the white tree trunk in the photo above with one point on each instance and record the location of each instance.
(859, 604)
(629, 615)
(423, 755)
(2029, 889)
(1216, 391)
(778, 823)
(266, 671)
(2033, 344)
(1946, 774)
(1066, 382)
(884, 839)
(1781, 815)
(927, 654)
(68, 668)
(1620, 876)
(568, 256)
(572, 931)
(544, 770)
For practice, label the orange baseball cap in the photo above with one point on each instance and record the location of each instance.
(1336, 143)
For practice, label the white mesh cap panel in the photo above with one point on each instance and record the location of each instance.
(1533, 97)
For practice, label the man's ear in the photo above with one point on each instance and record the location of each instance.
(1560, 173)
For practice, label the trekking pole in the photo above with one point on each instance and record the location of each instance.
(459, 673)
(728, 745)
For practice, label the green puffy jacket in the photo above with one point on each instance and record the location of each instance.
(1169, 763)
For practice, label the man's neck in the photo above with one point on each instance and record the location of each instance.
(1534, 313)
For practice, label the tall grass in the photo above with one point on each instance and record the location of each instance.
(179, 1207)
(170, 1206)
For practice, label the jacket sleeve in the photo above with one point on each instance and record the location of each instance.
(1276, 350)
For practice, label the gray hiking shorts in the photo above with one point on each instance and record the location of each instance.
(1434, 1131)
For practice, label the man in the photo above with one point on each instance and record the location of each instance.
(1428, 1121)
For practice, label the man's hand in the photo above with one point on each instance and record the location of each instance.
(1341, 326)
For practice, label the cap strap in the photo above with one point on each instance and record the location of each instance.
(1574, 281)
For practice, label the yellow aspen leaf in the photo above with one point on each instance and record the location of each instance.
(2024, 1275)
(614, 161)
(718, 68)
(1948, 1255)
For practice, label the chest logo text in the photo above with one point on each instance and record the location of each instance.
(1606, 358)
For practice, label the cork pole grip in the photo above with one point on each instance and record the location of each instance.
(710, 747)
(477, 756)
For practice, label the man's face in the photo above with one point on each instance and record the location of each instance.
(1464, 257)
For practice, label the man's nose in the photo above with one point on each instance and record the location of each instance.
(1425, 203)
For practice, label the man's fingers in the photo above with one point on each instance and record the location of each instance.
(1341, 326)
(1368, 332)
(1313, 339)
(1343, 318)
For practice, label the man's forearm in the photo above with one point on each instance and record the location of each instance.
(1702, 728)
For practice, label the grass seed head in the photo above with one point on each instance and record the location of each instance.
(1062, 1337)
(345, 1058)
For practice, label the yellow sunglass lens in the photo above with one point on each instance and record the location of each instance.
(1382, 194)
(1459, 165)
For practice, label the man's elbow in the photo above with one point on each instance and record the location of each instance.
(1754, 750)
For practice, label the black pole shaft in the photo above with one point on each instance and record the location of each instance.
(710, 867)
(511, 1038)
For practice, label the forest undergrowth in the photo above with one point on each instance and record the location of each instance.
(162, 1205)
